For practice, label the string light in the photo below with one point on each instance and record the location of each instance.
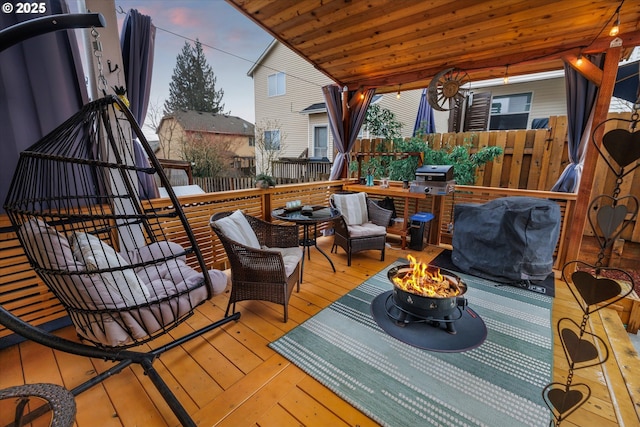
(616, 26)
(505, 79)
(398, 94)
(579, 60)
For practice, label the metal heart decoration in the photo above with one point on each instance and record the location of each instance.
(578, 349)
(564, 399)
(622, 145)
(579, 346)
(610, 216)
(595, 290)
(594, 293)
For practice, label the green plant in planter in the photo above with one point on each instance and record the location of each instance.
(404, 169)
(265, 181)
(464, 163)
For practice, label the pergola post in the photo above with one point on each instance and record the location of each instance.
(605, 92)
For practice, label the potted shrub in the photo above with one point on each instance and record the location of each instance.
(265, 181)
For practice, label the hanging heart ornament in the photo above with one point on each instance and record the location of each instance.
(609, 216)
(580, 346)
(563, 400)
(592, 289)
(623, 146)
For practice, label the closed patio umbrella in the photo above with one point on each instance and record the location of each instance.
(425, 122)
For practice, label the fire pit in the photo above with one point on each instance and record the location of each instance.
(427, 308)
(426, 293)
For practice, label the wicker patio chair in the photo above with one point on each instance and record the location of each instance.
(362, 226)
(265, 258)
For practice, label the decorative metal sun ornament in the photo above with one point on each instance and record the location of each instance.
(444, 91)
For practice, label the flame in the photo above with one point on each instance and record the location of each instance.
(425, 280)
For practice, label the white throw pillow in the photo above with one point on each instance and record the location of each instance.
(97, 255)
(237, 228)
(353, 207)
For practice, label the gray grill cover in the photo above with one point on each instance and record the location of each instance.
(506, 240)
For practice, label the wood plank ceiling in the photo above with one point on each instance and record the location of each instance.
(397, 45)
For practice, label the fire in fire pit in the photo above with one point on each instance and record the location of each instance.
(426, 280)
(424, 292)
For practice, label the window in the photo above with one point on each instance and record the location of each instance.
(276, 84)
(320, 142)
(252, 141)
(510, 111)
(272, 140)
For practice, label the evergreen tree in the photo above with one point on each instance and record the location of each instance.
(193, 84)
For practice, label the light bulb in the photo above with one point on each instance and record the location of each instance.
(398, 95)
(505, 79)
(616, 27)
(579, 60)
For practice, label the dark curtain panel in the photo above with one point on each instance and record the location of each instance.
(137, 42)
(345, 124)
(41, 85)
(581, 100)
(425, 120)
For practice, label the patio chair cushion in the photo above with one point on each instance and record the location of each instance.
(175, 270)
(353, 207)
(237, 228)
(46, 246)
(91, 291)
(290, 256)
(97, 255)
(366, 230)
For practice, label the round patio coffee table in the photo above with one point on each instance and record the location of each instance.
(318, 215)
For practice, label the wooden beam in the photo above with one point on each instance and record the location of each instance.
(601, 111)
(586, 68)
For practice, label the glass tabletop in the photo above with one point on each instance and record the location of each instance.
(317, 214)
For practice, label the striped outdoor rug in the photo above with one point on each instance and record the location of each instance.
(499, 383)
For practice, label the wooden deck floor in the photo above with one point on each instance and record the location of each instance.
(230, 377)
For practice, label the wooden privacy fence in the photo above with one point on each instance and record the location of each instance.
(531, 160)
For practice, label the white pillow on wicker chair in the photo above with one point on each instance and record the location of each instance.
(353, 207)
(237, 228)
(97, 255)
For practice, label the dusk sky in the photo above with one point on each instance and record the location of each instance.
(235, 44)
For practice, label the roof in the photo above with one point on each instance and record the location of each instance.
(321, 107)
(264, 54)
(400, 45)
(198, 121)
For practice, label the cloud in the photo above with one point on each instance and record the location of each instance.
(185, 18)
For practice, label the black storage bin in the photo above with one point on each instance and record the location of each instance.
(419, 230)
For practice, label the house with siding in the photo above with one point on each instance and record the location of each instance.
(524, 102)
(232, 137)
(288, 91)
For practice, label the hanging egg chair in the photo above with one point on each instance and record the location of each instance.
(124, 264)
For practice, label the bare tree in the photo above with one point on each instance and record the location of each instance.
(270, 141)
(208, 155)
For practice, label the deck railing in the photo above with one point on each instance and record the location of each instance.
(22, 291)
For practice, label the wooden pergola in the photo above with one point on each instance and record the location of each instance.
(401, 45)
